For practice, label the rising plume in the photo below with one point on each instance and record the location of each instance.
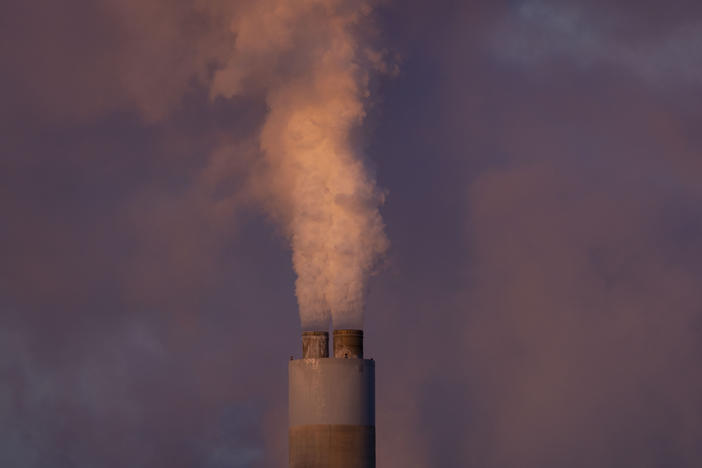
(308, 60)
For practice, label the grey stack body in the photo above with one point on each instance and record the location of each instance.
(332, 403)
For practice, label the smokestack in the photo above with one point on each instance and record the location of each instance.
(348, 344)
(332, 403)
(315, 344)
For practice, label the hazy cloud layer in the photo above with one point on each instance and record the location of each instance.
(540, 305)
(592, 35)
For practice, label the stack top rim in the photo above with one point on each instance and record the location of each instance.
(315, 333)
(348, 332)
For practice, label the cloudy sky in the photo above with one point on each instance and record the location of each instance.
(537, 166)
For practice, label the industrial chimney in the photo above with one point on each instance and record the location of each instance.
(332, 403)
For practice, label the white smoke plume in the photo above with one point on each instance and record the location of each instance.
(309, 61)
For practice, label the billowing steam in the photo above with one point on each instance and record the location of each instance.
(306, 57)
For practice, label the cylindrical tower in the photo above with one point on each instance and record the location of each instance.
(332, 403)
(315, 344)
(348, 344)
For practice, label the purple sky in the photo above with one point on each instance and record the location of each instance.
(541, 304)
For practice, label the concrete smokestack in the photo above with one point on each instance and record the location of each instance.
(315, 344)
(332, 403)
(348, 344)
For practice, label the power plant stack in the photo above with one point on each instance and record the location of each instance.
(332, 403)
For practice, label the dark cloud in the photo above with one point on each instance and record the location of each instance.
(595, 314)
(538, 31)
(540, 305)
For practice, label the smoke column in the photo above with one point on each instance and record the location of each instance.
(308, 59)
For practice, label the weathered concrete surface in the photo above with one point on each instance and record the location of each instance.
(331, 391)
(327, 445)
(348, 344)
(315, 344)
